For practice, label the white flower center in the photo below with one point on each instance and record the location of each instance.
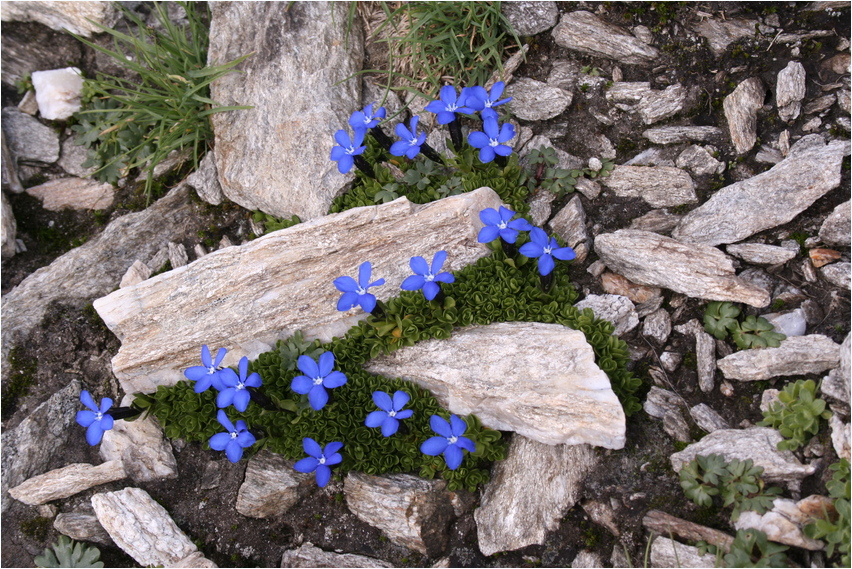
(233, 434)
(240, 385)
(429, 278)
(547, 250)
(318, 380)
(453, 440)
(350, 150)
(413, 141)
(211, 370)
(501, 225)
(492, 142)
(322, 460)
(99, 416)
(452, 107)
(391, 413)
(361, 290)
(488, 103)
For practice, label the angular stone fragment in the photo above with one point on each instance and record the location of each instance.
(835, 230)
(820, 104)
(669, 407)
(821, 257)
(792, 323)
(657, 326)
(137, 273)
(790, 90)
(584, 32)
(512, 379)
(708, 419)
(271, 486)
(837, 383)
(413, 512)
(656, 221)
(28, 139)
(66, 481)
(798, 355)
(760, 254)
(531, 18)
(614, 308)
(699, 161)
(142, 528)
(284, 281)
(840, 436)
(205, 180)
(73, 193)
(529, 492)
(10, 228)
(662, 523)
(58, 92)
(838, 274)
(697, 271)
(307, 555)
(659, 186)
(651, 104)
(570, 223)
(82, 527)
(536, 101)
(666, 552)
(586, 558)
(76, 17)
(681, 134)
(782, 524)
(767, 200)
(721, 33)
(705, 348)
(741, 108)
(755, 443)
(274, 157)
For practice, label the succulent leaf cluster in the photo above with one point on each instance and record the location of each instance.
(720, 319)
(834, 527)
(68, 553)
(796, 414)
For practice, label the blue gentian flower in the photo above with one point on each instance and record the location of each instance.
(450, 442)
(348, 149)
(319, 459)
(235, 388)
(483, 101)
(362, 120)
(500, 224)
(355, 293)
(545, 249)
(391, 411)
(411, 141)
(317, 378)
(96, 420)
(425, 278)
(234, 440)
(206, 375)
(449, 104)
(490, 142)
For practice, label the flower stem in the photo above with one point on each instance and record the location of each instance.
(364, 166)
(381, 137)
(501, 161)
(430, 153)
(261, 399)
(379, 310)
(509, 249)
(119, 413)
(456, 133)
(546, 281)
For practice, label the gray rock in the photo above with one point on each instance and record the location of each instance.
(604, 514)
(137, 273)
(30, 447)
(844, 100)
(741, 108)
(835, 228)
(669, 407)
(790, 90)
(271, 486)
(309, 556)
(205, 180)
(838, 274)
(96, 267)
(73, 156)
(565, 74)
(586, 558)
(705, 348)
(695, 270)
(721, 33)
(840, 436)
(531, 18)
(584, 32)
(782, 524)
(10, 228)
(656, 221)
(76, 17)
(708, 419)
(588, 188)
(681, 134)
(82, 527)
(670, 360)
(837, 383)
(699, 161)
(536, 101)
(768, 155)
(530, 492)
(141, 447)
(657, 326)
(566, 161)
(142, 528)
(666, 552)
(614, 308)
(767, 200)
(570, 223)
(372, 92)
(653, 156)
(73, 193)
(273, 145)
(760, 254)
(651, 104)
(11, 181)
(490, 371)
(178, 256)
(66, 481)
(755, 443)
(412, 512)
(820, 104)
(659, 186)
(28, 139)
(798, 355)
(790, 323)
(173, 316)
(540, 207)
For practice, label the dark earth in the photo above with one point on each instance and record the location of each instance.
(73, 342)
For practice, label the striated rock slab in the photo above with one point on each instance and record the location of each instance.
(510, 377)
(695, 270)
(530, 492)
(657, 326)
(76, 17)
(584, 32)
(782, 524)
(28, 139)
(760, 254)
(659, 186)
(81, 527)
(73, 193)
(721, 33)
(413, 512)
(10, 228)
(274, 157)
(767, 200)
(536, 101)
(708, 419)
(705, 352)
(531, 18)
(570, 223)
(662, 523)
(652, 105)
(666, 552)
(835, 230)
(840, 436)
(284, 280)
(142, 528)
(838, 274)
(681, 134)
(790, 90)
(141, 448)
(756, 443)
(307, 555)
(639, 294)
(699, 161)
(741, 108)
(798, 355)
(838, 382)
(205, 180)
(66, 481)
(656, 221)
(614, 308)
(669, 407)
(271, 486)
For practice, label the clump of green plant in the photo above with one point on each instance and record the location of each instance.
(720, 318)
(836, 529)
(796, 414)
(272, 223)
(69, 553)
(751, 548)
(738, 483)
(559, 181)
(164, 108)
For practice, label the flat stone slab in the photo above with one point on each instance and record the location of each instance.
(246, 298)
(798, 355)
(271, 486)
(73, 193)
(584, 32)
(308, 555)
(698, 271)
(539, 380)
(767, 200)
(659, 186)
(66, 481)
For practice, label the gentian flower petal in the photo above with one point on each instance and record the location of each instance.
(234, 451)
(245, 439)
(220, 440)
(477, 139)
(195, 373)
(224, 421)
(399, 147)
(383, 401)
(457, 426)
(445, 278)
(348, 300)
(507, 133)
(375, 419)
(413, 282)
(342, 138)
(440, 426)
(204, 383)
(434, 446)
(86, 399)
(531, 250)
(486, 154)
(453, 456)
(564, 254)
(490, 216)
(419, 265)
(326, 363)
(85, 418)
(331, 448)
(312, 447)
(430, 290)
(323, 475)
(404, 414)
(438, 261)
(400, 399)
(389, 426)
(220, 355)
(502, 150)
(488, 234)
(225, 398)
(206, 360)
(466, 443)
(435, 107)
(346, 284)
(301, 384)
(492, 130)
(94, 433)
(240, 399)
(317, 397)
(367, 302)
(334, 379)
(335, 458)
(253, 380)
(308, 366)
(545, 265)
(306, 465)
(364, 272)
(345, 163)
(520, 224)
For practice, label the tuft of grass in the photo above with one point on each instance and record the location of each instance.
(163, 109)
